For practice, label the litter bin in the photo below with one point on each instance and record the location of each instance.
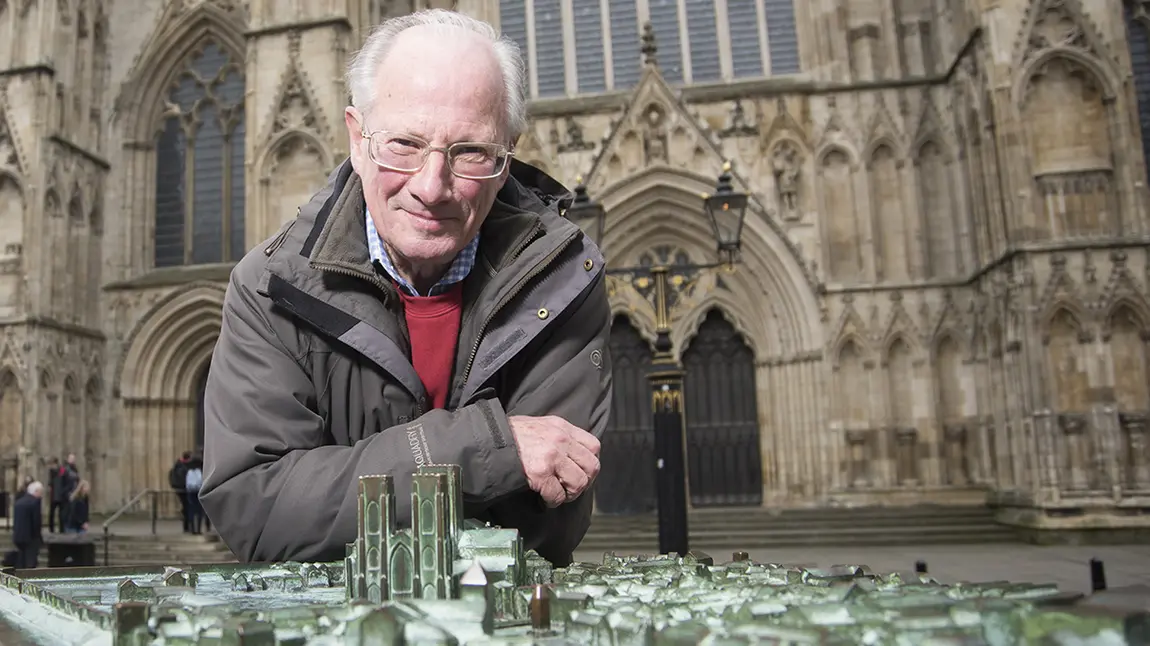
(71, 550)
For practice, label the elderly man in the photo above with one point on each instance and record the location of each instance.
(27, 524)
(429, 305)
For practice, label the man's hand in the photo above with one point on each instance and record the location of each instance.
(561, 460)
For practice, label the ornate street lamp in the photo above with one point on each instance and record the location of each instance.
(726, 210)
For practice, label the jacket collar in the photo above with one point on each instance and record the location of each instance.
(328, 238)
(336, 238)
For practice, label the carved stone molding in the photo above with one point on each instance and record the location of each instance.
(1072, 423)
(905, 435)
(575, 141)
(1133, 421)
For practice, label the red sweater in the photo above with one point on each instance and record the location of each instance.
(433, 327)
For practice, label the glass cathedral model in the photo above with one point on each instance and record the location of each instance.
(447, 580)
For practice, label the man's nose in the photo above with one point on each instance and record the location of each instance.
(432, 184)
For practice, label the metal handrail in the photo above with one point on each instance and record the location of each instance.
(122, 510)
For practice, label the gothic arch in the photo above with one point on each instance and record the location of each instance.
(305, 161)
(1104, 77)
(938, 141)
(267, 158)
(895, 336)
(170, 343)
(642, 319)
(1136, 306)
(879, 142)
(664, 204)
(9, 174)
(12, 376)
(839, 147)
(866, 352)
(1077, 315)
(731, 308)
(47, 380)
(141, 99)
(94, 390)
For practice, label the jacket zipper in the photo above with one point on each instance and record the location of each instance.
(535, 272)
(538, 269)
(374, 280)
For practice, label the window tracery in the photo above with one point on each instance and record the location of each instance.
(199, 214)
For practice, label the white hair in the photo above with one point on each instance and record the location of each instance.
(364, 64)
(35, 488)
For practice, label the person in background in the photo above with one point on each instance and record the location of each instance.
(56, 500)
(177, 475)
(192, 483)
(26, 527)
(78, 509)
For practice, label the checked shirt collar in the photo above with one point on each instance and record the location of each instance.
(459, 269)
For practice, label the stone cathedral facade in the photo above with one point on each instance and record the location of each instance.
(943, 286)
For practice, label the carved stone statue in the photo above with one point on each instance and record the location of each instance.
(655, 136)
(787, 168)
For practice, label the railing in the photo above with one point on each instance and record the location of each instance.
(152, 493)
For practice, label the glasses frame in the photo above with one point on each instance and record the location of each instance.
(505, 152)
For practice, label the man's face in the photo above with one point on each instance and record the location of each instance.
(71, 458)
(443, 93)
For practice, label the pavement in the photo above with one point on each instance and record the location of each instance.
(1066, 566)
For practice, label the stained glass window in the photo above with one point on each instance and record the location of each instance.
(200, 163)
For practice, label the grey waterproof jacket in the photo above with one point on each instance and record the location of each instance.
(311, 382)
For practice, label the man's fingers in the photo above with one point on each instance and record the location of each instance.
(585, 439)
(586, 460)
(572, 477)
(552, 492)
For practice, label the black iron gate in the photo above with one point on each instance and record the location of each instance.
(723, 452)
(626, 483)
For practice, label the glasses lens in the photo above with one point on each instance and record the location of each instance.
(477, 160)
(402, 153)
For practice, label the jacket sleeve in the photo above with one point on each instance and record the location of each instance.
(276, 487)
(568, 376)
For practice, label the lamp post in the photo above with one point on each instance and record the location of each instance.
(725, 210)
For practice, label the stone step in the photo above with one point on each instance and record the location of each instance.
(599, 527)
(909, 511)
(763, 518)
(733, 540)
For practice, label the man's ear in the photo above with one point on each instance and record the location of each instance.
(354, 121)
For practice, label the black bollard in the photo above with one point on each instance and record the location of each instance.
(920, 567)
(1097, 575)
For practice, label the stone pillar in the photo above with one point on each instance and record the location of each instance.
(1076, 449)
(956, 462)
(1043, 480)
(856, 440)
(906, 441)
(1105, 442)
(1136, 451)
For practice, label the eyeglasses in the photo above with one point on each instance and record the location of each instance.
(407, 154)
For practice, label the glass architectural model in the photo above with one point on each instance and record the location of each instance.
(445, 580)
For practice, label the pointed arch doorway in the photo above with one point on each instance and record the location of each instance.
(724, 454)
(626, 483)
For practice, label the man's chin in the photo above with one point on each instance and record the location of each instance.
(432, 249)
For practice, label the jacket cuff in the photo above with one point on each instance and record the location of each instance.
(504, 469)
